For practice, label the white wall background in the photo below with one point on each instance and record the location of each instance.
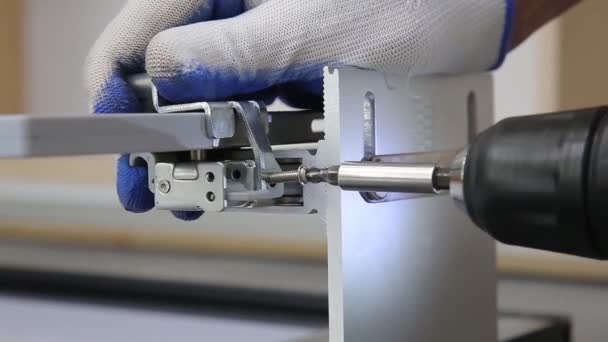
(528, 82)
(59, 34)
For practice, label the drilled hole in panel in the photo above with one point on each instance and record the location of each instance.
(210, 177)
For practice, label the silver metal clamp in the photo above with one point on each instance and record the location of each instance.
(214, 185)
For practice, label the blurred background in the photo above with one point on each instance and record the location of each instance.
(53, 211)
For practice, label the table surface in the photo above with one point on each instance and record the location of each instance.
(40, 319)
(29, 318)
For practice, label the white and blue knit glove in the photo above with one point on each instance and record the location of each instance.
(214, 50)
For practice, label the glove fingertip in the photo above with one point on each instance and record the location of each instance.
(115, 96)
(132, 187)
(199, 84)
(188, 216)
(303, 94)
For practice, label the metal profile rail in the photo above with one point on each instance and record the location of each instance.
(30, 136)
(23, 136)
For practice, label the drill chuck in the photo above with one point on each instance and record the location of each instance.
(541, 182)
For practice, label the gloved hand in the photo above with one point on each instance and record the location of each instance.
(216, 49)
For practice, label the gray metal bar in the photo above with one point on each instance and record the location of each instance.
(24, 136)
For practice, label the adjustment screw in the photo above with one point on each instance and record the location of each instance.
(164, 186)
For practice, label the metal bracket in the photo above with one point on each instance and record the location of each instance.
(219, 116)
(150, 160)
(250, 113)
(190, 186)
(187, 186)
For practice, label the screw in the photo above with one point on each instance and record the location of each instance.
(295, 176)
(164, 186)
(305, 175)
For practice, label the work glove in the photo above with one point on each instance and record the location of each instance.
(206, 50)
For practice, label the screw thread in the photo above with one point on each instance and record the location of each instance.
(304, 176)
(285, 177)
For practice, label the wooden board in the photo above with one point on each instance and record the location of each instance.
(11, 56)
(584, 53)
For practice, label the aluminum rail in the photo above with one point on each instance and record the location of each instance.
(24, 136)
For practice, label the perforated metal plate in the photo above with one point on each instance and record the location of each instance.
(190, 187)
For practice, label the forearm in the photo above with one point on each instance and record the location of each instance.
(533, 14)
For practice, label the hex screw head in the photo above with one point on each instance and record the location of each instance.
(164, 186)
